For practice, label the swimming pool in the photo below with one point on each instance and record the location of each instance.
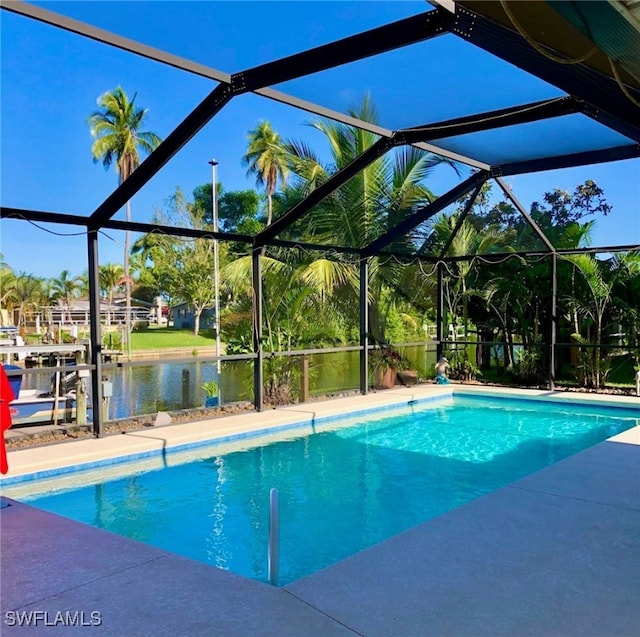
(343, 488)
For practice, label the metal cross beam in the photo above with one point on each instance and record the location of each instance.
(586, 158)
(7, 212)
(578, 80)
(497, 257)
(536, 228)
(511, 116)
(112, 39)
(461, 219)
(184, 64)
(319, 247)
(372, 153)
(426, 212)
(349, 120)
(391, 36)
(115, 224)
(356, 47)
(197, 119)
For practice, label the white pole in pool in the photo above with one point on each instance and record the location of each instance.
(274, 538)
(638, 383)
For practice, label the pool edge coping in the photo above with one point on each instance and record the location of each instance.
(149, 447)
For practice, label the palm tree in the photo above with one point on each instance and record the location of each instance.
(626, 293)
(65, 288)
(7, 285)
(592, 302)
(119, 140)
(370, 203)
(27, 295)
(111, 275)
(459, 284)
(267, 159)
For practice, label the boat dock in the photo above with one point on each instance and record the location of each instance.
(56, 352)
(65, 396)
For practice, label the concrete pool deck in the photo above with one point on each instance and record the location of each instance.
(555, 553)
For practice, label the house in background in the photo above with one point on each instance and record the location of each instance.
(79, 312)
(184, 318)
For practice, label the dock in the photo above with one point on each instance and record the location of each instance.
(40, 352)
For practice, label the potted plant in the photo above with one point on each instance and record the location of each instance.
(210, 388)
(387, 362)
(407, 377)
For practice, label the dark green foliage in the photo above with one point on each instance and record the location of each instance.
(237, 209)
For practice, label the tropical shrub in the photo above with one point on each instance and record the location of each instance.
(528, 369)
(462, 368)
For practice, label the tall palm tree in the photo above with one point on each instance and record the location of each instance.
(267, 159)
(370, 203)
(118, 139)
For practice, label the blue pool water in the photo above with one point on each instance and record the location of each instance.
(341, 489)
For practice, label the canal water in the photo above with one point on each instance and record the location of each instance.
(146, 389)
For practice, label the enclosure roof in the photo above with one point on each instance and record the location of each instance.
(562, 89)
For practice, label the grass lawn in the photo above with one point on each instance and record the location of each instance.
(166, 337)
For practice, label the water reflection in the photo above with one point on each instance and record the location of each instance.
(146, 389)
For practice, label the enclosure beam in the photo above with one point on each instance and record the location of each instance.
(376, 150)
(318, 247)
(512, 116)
(426, 212)
(115, 224)
(496, 257)
(183, 64)
(388, 37)
(113, 39)
(440, 311)
(349, 120)
(184, 131)
(258, 385)
(7, 212)
(553, 323)
(461, 218)
(595, 88)
(94, 328)
(364, 326)
(586, 158)
(536, 228)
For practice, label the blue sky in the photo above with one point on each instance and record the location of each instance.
(50, 80)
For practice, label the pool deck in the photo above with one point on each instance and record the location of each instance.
(556, 553)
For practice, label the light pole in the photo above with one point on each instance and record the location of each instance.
(216, 272)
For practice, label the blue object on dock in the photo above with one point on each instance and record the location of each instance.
(14, 381)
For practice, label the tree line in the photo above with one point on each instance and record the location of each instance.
(311, 297)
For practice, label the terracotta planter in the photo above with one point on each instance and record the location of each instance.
(408, 377)
(385, 378)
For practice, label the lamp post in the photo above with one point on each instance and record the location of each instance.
(216, 273)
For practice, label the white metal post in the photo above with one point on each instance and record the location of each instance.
(216, 272)
(273, 553)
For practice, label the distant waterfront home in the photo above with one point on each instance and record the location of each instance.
(78, 313)
(184, 317)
